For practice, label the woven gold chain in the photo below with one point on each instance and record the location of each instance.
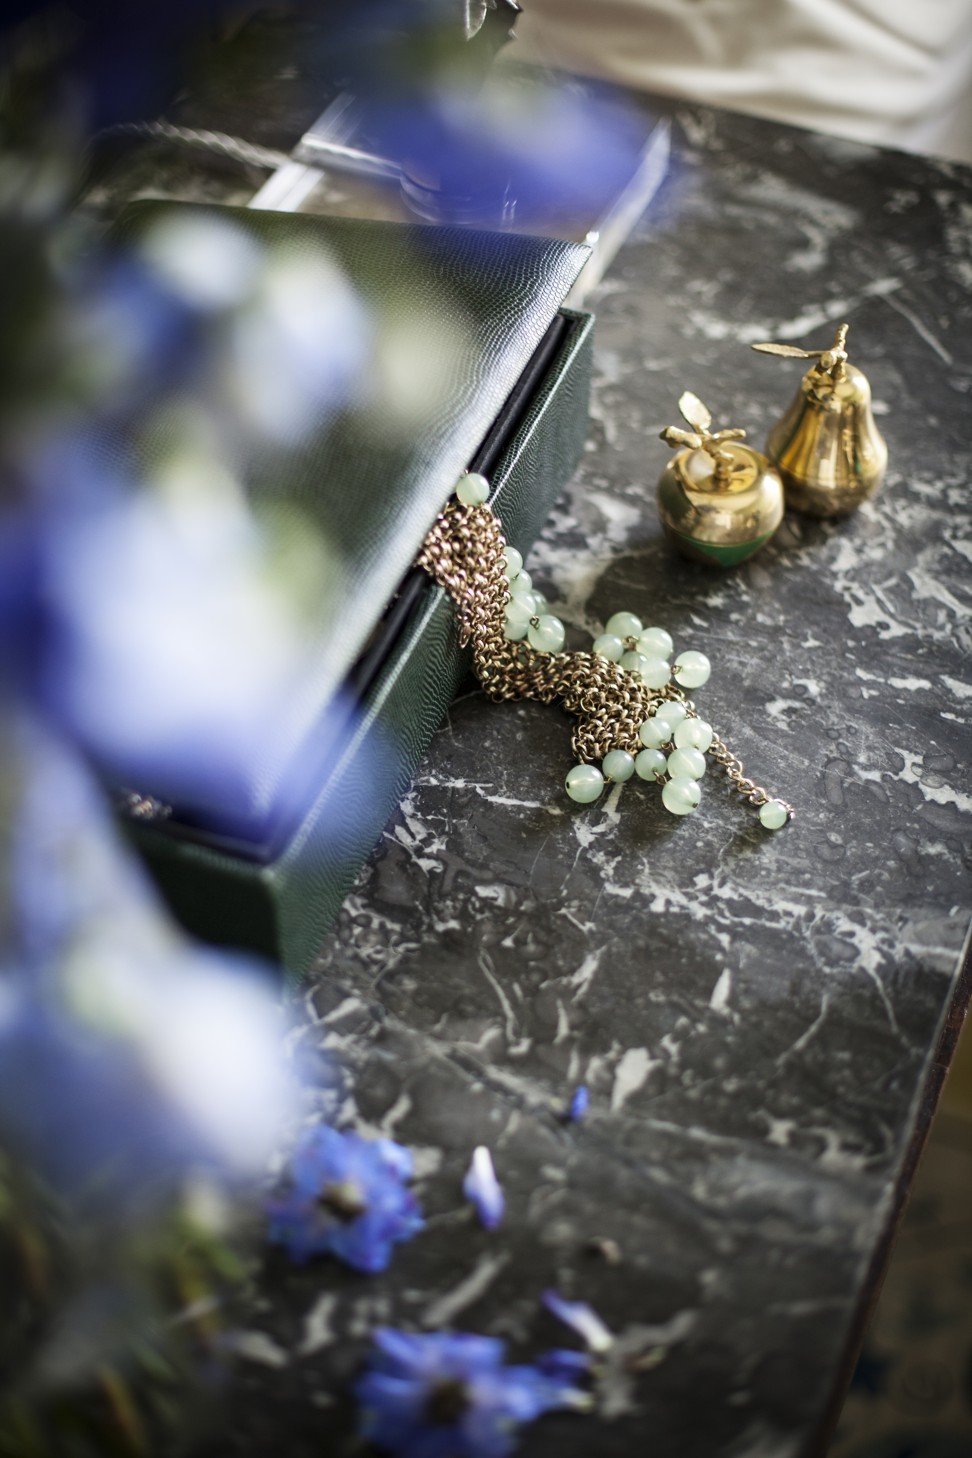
(464, 554)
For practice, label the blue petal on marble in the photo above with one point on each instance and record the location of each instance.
(580, 1101)
(347, 1196)
(451, 1395)
(580, 1318)
(483, 1189)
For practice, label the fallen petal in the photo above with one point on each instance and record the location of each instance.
(579, 1103)
(582, 1319)
(483, 1189)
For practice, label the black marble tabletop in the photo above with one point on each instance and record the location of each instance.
(759, 1017)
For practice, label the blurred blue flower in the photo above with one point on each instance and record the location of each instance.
(288, 341)
(166, 654)
(451, 1395)
(75, 1106)
(477, 143)
(146, 607)
(579, 1103)
(127, 1054)
(116, 61)
(347, 1196)
(531, 150)
(481, 1187)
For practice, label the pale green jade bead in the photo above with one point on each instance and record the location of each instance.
(514, 561)
(692, 670)
(655, 732)
(681, 796)
(584, 783)
(655, 672)
(650, 764)
(686, 764)
(522, 587)
(693, 734)
(623, 625)
(518, 610)
(656, 643)
(523, 606)
(546, 634)
(529, 602)
(609, 646)
(618, 765)
(633, 662)
(671, 712)
(515, 631)
(524, 579)
(773, 814)
(472, 489)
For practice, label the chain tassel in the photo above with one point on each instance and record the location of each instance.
(466, 553)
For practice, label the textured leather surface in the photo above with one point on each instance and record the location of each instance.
(283, 908)
(475, 305)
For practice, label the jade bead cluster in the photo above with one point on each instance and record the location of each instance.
(666, 723)
(678, 771)
(647, 653)
(526, 614)
(674, 740)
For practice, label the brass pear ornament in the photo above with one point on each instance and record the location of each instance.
(719, 500)
(827, 448)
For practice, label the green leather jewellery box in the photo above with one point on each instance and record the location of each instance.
(270, 870)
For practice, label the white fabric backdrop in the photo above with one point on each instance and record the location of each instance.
(897, 72)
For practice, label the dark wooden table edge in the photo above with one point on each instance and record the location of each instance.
(952, 1023)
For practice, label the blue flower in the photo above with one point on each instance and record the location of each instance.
(565, 1365)
(483, 1189)
(114, 62)
(347, 1196)
(522, 145)
(162, 620)
(127, 1054)
(451, 1395)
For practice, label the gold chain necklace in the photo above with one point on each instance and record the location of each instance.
(624, 723)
